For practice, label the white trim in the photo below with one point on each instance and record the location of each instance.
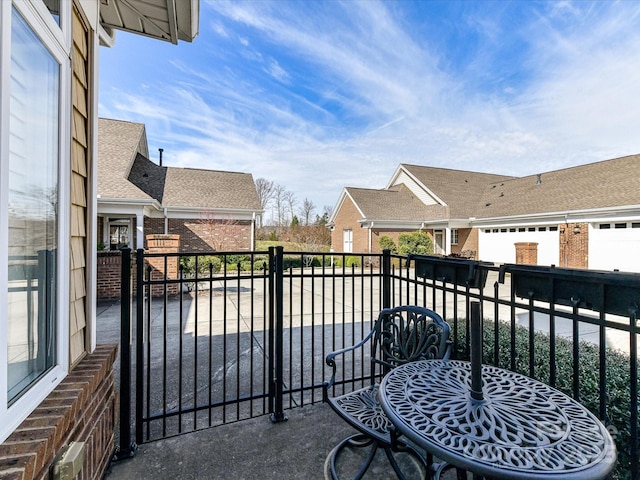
(57, 42)
(92, 182)
(7, 425)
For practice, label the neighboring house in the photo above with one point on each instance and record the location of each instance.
(209, 209)
(582, 217)
(56, 384)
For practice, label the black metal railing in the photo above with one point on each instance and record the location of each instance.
(222, 337)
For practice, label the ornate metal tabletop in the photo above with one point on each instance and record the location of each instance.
(521, 429)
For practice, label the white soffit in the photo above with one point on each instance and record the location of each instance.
(168, 20)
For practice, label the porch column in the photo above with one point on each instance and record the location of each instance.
(139, 231)
(447, 241)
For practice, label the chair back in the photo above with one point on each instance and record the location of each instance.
(405, 334)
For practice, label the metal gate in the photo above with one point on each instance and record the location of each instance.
(216, 344)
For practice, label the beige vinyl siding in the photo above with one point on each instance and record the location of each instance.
(79, 190)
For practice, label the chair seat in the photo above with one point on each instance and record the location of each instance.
(363, 411)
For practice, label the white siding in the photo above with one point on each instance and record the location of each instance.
(413, 186)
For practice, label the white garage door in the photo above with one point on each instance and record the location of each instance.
(498, 244)
(615, 246)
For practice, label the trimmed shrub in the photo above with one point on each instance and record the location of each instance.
(387, 243)
(188, 265)
(417, 242)
(351, 261)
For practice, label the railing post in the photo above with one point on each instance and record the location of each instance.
(386, 278)
(127, 448)
(633, 406)
(140, 340)
(277, 386)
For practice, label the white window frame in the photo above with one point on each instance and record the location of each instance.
(454, 236)
(57, 39)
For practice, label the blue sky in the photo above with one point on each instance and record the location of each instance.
(319, 95)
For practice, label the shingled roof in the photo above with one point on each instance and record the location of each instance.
(605, 184)
(397, 203)
(125, 172)
(119, 143)
(459, 189)
(468, 195)
(210, 189)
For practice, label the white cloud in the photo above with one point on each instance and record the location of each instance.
(325, 95)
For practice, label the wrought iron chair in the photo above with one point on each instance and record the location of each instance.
(400, 335)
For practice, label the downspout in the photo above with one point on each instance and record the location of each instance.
(370, 237)
(253, 232)
(166, 221)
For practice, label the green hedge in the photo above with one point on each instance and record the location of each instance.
(617, 375)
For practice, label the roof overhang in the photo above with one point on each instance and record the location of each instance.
(220, 214)
(587, 215)
(168, 20)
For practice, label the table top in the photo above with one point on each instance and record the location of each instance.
(522, 429)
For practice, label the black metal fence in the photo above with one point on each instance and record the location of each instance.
(230, 336)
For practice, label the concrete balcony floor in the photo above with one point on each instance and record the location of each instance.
(255, 449)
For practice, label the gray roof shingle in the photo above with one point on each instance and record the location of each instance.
(125, 172)
(119, 142)
(609, 183)
(459, 189)
(396, 203)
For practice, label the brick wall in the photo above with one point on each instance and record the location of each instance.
(467, 242)
(82, 408)
(527, 253)
(574, 245)
(347, 218)
(205, 235)
(163, 268)
(108, 275)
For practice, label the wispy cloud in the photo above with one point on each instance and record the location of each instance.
(321, 95)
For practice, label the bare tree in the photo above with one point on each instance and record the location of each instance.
(306, 211)
(217, 230)
(280, 203)
(266, 192)
(291, 200)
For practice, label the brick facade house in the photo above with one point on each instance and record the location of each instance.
(208, 209)
(57, 389)
(586, 216)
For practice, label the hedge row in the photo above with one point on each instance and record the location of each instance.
(214, 263)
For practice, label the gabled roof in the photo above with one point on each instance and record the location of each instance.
(459, 189)
(118, 144)
(605, 184)
(396, 203)
(125, 173)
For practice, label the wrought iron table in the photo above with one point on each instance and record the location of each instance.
(513, 428)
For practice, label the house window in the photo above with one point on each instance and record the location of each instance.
(604, 226)
(119, 234)
(347, 241)
(35, 140)
(454, 236)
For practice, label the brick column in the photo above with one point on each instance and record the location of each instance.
(527, 253)
(163, 244)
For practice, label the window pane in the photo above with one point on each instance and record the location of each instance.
(54, 9)
(33, 200)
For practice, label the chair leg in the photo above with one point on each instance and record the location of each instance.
(362, 441)
(358, 441)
